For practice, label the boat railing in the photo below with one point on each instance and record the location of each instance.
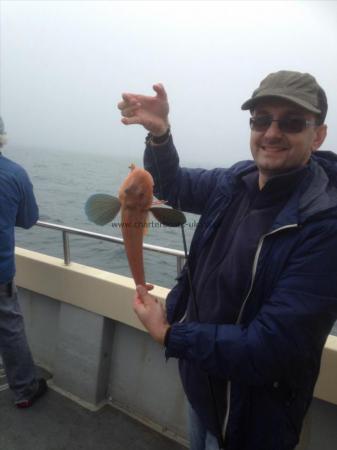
(67, 231)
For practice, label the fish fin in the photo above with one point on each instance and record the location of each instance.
(169, 217)
(159, 202)
(102, 208)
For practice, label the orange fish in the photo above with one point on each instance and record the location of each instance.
(136, 197)
(135, 201)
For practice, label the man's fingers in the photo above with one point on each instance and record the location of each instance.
(144, 296)
(127, 101)
(132, 99)
(131, 120)
(130, 110)
(128, 98)
(141, 291)
(121, 105)
(160, 90)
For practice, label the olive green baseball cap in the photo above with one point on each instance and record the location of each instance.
(296, 87)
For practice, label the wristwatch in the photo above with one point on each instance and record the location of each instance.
(158, 140)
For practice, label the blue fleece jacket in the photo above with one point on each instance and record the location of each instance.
(269, 357)
(17, 208)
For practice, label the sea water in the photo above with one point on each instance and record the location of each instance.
(62, 182)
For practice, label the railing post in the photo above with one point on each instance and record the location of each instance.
(180, 264)
(66, 248)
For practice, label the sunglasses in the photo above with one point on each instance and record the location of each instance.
(291, 124)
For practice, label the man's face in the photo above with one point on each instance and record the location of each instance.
(276, 151)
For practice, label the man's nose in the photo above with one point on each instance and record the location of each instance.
(273, 130)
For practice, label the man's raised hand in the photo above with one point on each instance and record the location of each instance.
(149, 111)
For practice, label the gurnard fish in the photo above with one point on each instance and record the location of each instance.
(135, 201)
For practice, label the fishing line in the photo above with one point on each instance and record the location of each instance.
(219, 436)
(196, 309)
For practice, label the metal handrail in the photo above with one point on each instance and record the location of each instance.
(66, 231)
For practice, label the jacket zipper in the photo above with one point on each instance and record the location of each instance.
(256, 258)
(182, 320)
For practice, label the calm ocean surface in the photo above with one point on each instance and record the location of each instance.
(62, 183)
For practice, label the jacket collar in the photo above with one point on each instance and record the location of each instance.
(314, 194)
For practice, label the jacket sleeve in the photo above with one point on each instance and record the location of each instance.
(27, 210)
(186, 189)
(286, 337)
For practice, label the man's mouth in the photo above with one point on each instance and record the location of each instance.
(273, 149)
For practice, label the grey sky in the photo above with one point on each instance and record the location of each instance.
(64, 65)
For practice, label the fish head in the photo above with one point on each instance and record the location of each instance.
(137, 190)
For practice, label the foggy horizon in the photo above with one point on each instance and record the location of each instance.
(64, 66)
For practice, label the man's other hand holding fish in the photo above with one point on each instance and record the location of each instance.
(151, 313)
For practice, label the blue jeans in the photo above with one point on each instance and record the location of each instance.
(16, 356)
(200, 438)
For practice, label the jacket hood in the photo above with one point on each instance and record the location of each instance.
(317, 191)
(321, 191)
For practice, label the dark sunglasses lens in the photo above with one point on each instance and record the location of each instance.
(286, 125)
(292, 124)
(261, 123)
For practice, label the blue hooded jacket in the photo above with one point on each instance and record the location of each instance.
(17, 208)
(269, 359)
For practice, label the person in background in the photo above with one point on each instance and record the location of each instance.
(262, 262)
(17, 208)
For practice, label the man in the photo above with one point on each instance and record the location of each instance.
(17, 208)
(250, 333)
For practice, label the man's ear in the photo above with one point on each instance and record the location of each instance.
(320, 135)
